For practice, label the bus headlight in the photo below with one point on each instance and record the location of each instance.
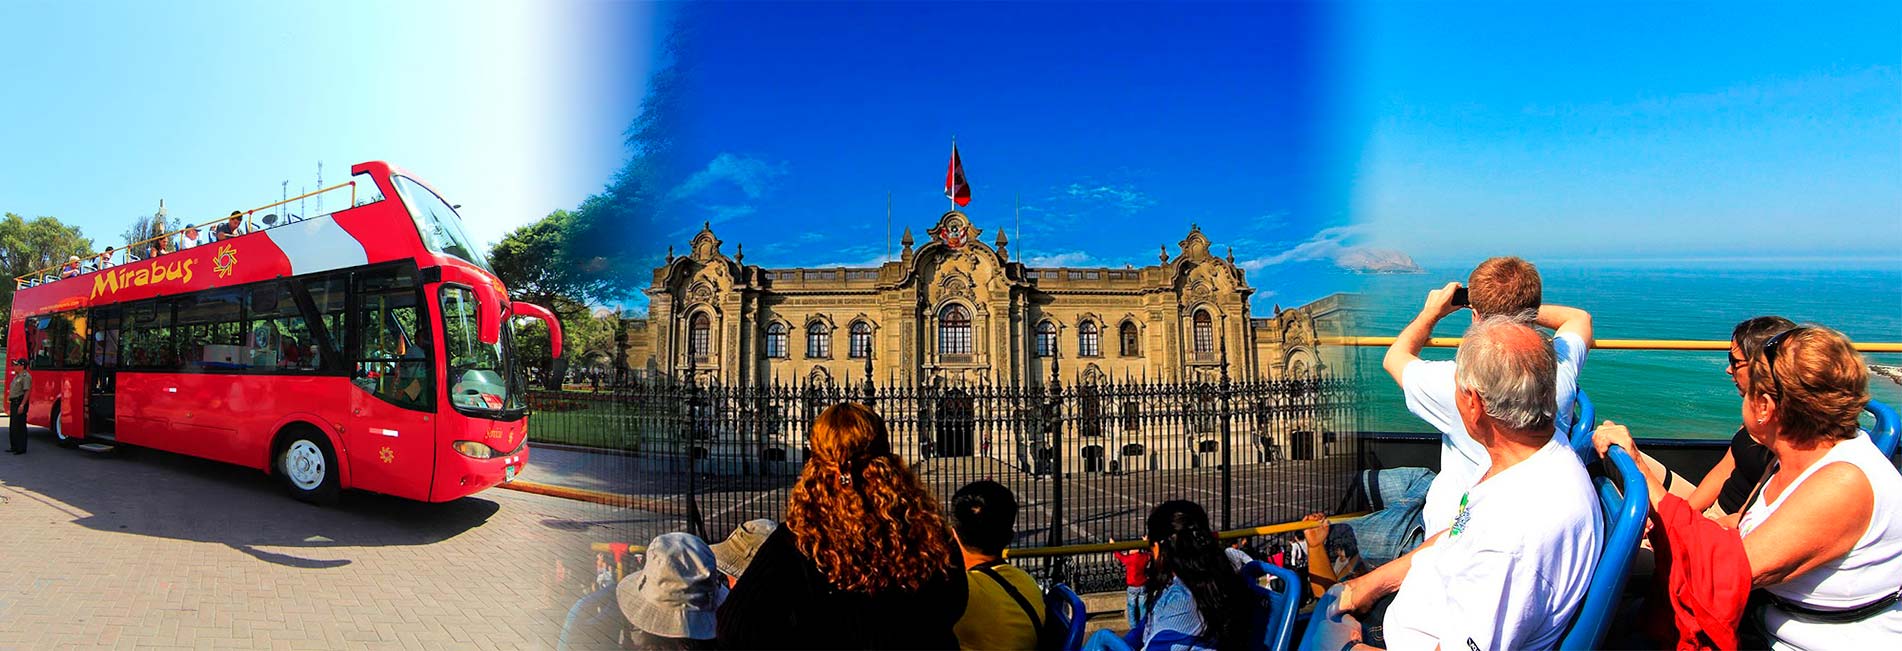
(475, 450)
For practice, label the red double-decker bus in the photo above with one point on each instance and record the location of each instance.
(369, 348)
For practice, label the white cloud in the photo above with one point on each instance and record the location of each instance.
(1124, 198)
(1064, 259)
(751, 175)
(1338, 245)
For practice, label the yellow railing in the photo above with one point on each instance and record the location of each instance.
(56, 270)
(1098, 548)
(1604, 344)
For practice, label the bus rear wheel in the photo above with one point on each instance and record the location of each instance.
(308, 467)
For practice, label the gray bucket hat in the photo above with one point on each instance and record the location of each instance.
(676, 593)
(737, 551)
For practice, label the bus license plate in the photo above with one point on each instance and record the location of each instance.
(508, 473)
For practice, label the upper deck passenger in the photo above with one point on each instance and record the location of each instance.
(1823, 532)
(1514, 566)
(1501, 286)
(189, 237)
(233, 227)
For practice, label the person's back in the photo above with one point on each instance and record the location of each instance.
(1532, 534)
(1005, 609)
(784, 601)
(1869, 572)
(863, 560)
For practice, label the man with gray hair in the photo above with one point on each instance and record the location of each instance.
(1511, 570)
(1500, 286)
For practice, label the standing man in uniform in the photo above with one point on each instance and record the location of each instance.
(16, 409)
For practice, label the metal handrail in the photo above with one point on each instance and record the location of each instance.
(1605, 344)
(21, 280)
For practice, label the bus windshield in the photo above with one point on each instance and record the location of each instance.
(482, 377)
(437, 221)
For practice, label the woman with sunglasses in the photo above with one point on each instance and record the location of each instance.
(1823, 531)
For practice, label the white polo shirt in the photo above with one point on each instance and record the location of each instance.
(1514, 570)
(1429, 388)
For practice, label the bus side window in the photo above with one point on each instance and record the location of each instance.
(77, 344)
(393, 356)
(278, 337)
(327, 295)
(210, 330)
(147, 342)
(39, 346)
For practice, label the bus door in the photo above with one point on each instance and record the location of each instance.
(391, 431)
(102, 366)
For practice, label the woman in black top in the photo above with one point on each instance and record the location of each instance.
(864, 560)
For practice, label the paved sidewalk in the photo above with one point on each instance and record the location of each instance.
(144, 549)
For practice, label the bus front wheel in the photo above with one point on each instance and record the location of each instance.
(308, 467)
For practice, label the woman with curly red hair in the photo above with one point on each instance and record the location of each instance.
(865, 559)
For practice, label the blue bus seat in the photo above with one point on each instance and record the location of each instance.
(1106, 640)
(1584, 423)
(1625, 513)
(1063, 603)
(1278, 625)
(1883, 434)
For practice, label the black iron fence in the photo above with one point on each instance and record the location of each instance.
(1087, 462)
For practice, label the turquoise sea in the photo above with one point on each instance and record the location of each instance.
(1666, 394)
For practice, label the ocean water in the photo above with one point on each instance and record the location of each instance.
(1669, 394)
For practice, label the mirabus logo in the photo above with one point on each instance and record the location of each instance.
(122, 277)
(225, 260)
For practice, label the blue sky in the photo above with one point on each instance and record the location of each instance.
(1119, 126)
(510, 109)
(1630, 131)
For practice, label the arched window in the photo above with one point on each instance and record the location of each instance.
(1204, 332)
(699, 335)
(1088, 340)
(776, 341)
(818, 341)
(861, 343)
(954, 330)
(1046, 339)
(1131, 344)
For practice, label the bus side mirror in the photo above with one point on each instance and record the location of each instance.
(488, 326)
(539, 312)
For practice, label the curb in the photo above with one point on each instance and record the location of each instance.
(597, 497)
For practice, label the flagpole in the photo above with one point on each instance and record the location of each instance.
(950, 201)
(1017, 208)
(888, 226)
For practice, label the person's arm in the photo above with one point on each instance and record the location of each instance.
(1713, 484)
(1359, 593)
(1819, 522)
(1320, 573)
(1407, 345)
(1567, 321)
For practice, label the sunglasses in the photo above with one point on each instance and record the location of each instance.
(1770, 348)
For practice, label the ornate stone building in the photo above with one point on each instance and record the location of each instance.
(959, 310)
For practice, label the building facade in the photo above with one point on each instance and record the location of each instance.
(957, 310)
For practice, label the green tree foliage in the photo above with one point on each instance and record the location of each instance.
(28, 245)
(534, 263)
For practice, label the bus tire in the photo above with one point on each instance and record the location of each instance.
(308, 466)
(59, 431)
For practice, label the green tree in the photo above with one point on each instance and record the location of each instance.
(30, 245)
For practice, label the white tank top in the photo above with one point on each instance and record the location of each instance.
(1871, 570)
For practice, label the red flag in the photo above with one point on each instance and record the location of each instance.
(955, 188)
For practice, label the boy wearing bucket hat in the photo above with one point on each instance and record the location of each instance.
(671, 600)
